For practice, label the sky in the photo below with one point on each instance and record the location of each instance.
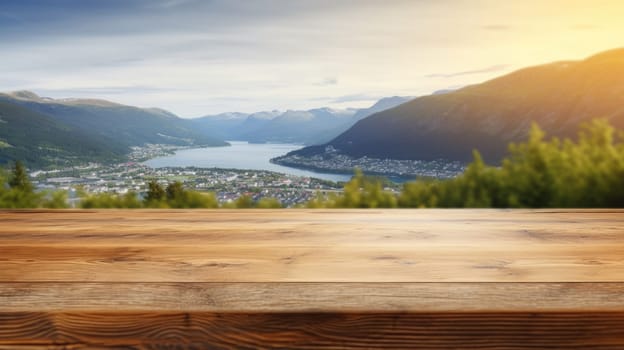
(199, 57)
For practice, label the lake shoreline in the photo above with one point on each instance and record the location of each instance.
(240, 155)
(397, 178)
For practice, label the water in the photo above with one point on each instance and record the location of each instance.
(241, 155)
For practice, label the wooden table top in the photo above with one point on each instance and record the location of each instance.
(311, 279)
(259, 260)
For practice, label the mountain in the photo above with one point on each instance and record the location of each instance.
(87, 129)
(292, 126)
(39, 140)
(230, 126)
(381, 105)
(312, 126)
(299, 126)
(487, 116)
(126, 125)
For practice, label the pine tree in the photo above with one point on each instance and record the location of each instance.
(19, 179)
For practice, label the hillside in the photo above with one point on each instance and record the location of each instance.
(127, 125)
(39, 140)
(558, 96)
(381, 105)
(43, 131)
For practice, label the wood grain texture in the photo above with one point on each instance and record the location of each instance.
(312, 246)
(313, 297)
(312, 279)
(313, 331)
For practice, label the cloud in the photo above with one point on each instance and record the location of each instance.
(491, 69)
(209, 56)
(105, 90)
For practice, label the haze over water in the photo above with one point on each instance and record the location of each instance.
(240, 155)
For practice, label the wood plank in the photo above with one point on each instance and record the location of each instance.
(401, 263)
(312, 246)
(313, 297)
(312, 279)
(36, 330)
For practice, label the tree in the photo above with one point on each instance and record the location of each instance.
(19, 179)
(155, 192)
(109, 200)
(537, 173)
(243, 202)
(269, 203)
(20, 193)
(179, 197)
(175, 191)
(363, 192)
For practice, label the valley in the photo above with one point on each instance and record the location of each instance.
(227, 184)
(401, 138)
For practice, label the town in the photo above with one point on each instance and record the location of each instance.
(227, 184)
(333, 161)
(230, 184)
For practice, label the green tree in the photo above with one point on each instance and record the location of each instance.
(538, 173)
(129, 200)
(195, 199)
(20, 192)
(156, 195)
(360, 192)
(243, 202)
(19, 179)
(269, 203)
(175, 191)
(55, 200)
(176, 196)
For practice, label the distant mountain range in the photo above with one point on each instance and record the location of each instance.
(558, 96)
(43, 131)
(314, 126)
(447, 125)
